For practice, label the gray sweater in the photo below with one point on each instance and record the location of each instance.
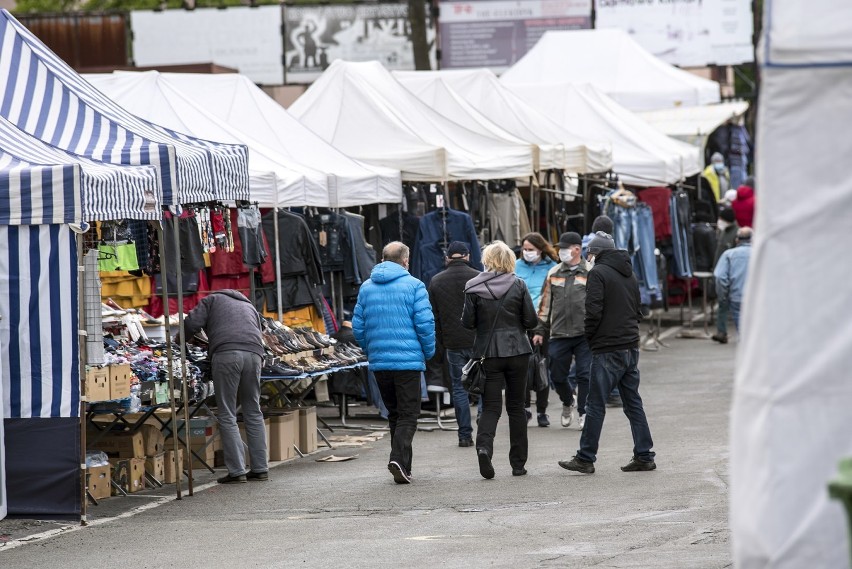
(230, 321)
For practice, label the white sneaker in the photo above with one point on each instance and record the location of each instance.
(581, 421)
(567, 415)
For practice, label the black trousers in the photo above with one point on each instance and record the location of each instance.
(401, 393)
(511, 373)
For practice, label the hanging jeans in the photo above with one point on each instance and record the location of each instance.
(680, 236)
(625, 229)
(644, 261)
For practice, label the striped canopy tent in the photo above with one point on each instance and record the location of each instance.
(44, 97)
(38, 338)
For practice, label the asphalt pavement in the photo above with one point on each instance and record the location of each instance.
(351, 514)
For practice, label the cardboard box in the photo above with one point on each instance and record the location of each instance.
(97, 384)
(201, 426)
(155, 466)
(97, 482)
(170, 474)
(119, 381)
(202, 446)
(283, 435)
(154, 440)
(242, 427)
(308, 429)
(120, 445)
(128, 473)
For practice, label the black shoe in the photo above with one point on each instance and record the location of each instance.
(485, 467)
(543, 421)
(721, 338)
(636, 465)
(578, 465)
(400, 476)
(465, 442)
(257, 476)
(241, 479)
(519, 471)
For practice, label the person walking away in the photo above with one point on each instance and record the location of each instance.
(394, 325)
(561, 314)
(727, 235)
(498, 306)
(537, 259)
(717, 176)
(446, 294)
(234, 330)
(612, 329)
(744, 204)
(732, 272)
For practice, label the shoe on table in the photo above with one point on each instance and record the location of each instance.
(400, 475)
(257, 476)
(241, 479)
(567, 415)
(581, 421)
(466, 442)
(519, 471)
(578, 465)
(486, 469)
(721, 338)
(636, 465)
(543, 420)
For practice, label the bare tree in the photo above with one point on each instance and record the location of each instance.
(419, 41)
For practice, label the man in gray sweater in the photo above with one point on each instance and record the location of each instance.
(233, 328)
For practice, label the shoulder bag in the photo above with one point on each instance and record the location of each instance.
(473, 376)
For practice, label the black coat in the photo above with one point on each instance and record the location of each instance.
(517, 315)
(446, 293)
(612, 303)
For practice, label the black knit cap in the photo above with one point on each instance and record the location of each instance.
(603, 223)
(600, 242)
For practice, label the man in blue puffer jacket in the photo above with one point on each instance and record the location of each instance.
(394, 325)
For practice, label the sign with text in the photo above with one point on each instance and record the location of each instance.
(497, 33)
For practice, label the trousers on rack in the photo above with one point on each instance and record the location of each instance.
(504, 210)
(644, 260)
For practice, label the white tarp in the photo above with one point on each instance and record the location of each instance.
(792, 414)
(366, 113)
(558, 148)
(614, 63)
(694, 124)
(641, 155)
(272, 180)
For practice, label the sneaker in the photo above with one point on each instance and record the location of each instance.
(543, 420)
(581, 421)
(400, 476)
(465, 442)
(636, 465)
(567, 415)
(578, 465)
(241, 479)
(721, 338)
(486, 469)
(529, 414)
(257, 476)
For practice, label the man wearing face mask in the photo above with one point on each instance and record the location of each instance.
(562, 312)
(717, 175)
(726, 239)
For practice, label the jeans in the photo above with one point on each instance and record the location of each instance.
(236, 374)
(562, 352)
(722, 319)
(735, 312)
(456, 360)
(679, 206)
(609, 369)
(644, 261)
(511, 372)
(401, 394)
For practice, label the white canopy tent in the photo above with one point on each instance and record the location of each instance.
(486, 97)
(613, 62)
(363, 111)
(694, 124)
(641, 155)
(791, 421)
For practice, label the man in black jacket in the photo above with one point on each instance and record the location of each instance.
(612, 328)
(446, 293)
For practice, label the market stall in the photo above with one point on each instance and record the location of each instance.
(694, 124)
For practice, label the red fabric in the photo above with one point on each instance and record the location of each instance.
(235, 282)
(230, 264)
(658, 200)
(155, 307)
(743, 206)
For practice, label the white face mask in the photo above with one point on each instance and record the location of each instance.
(591, 261)
(532, 256)
(565, 255)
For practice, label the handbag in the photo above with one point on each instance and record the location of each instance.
(538, 375)
(473, 376)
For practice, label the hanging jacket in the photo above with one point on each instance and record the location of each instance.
(534, 275)
(446, 294)
(427, 258)
(612, 303)
(563, 301)
(516, 316)
(743, 206)
(731, 272)
(393, 321)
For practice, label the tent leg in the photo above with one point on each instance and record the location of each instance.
(183, 382)
(277, 264)
(81, 340)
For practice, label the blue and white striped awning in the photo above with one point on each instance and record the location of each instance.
(36, 195)
(108, 191)
(43, 96)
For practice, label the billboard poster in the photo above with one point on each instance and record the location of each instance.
(315, 36)
(688, 33)
(497, 33)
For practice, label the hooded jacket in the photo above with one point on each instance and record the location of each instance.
(230, 321)
(446, 294)
(534, 275)
(743, 206)
(612, 303)
(563, 301)
(517, 315)
(393, 321)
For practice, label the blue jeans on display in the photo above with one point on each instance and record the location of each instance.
(610, 369)
(680, 238)
(644, 261)
(624, 228)
(562, 352)
(456, 360)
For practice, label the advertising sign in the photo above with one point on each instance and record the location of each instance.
(317, 35)
(496, 33)
(688, 33)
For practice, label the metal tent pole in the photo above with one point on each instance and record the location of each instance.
(82, 348)
(277, 263)
(184, 390)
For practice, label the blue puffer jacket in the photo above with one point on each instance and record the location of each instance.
(534, 275)
(393, 320)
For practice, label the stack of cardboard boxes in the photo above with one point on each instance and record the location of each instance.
(108, 383)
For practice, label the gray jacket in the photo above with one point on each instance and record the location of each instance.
(562, 309)
(230, 321)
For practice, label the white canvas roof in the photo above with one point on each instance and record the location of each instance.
(272, 181)
(363, 111)
(486, 97)
(613, 62)
(641, 155)
(694, 124)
